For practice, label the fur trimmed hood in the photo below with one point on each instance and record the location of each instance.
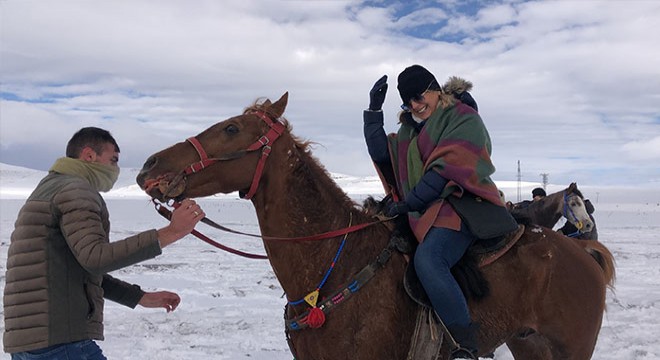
(456, 85)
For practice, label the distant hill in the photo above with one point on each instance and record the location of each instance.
(18, 182)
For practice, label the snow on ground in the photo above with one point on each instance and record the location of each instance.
(232, 308)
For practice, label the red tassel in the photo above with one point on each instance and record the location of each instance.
(316, 318)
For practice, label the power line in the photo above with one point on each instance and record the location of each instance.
(519, 197)
(544, 177)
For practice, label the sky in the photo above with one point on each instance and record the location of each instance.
(567, 88)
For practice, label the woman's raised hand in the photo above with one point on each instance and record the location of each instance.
(377, 94)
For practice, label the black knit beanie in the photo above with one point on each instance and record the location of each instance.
(413, 81)
(538, 192)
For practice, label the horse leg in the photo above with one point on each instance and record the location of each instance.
(540, 347)
(560, 339)
(565, 327)
(569, 303)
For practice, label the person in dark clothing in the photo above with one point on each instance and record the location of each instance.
(538, 194)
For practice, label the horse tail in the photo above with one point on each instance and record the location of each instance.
(603, 257)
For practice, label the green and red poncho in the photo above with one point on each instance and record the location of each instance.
(455, 143)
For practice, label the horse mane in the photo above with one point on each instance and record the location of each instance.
(264, 105)
(309, 167)
(577, 192)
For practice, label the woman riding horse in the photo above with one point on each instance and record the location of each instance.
(441, 148)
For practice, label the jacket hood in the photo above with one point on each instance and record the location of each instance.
(456, 85)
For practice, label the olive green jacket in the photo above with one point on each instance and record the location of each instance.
(58, 262)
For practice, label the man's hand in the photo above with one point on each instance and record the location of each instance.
(184, 219)
(377, 94)
(164, 299)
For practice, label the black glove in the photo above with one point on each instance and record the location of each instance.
(395, 208)
(377, 94)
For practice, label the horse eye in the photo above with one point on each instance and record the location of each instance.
(231, 129)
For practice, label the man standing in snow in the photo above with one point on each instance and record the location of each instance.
(60, 256)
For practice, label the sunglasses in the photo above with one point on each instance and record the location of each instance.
(416, 98)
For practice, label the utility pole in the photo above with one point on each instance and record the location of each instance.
(519, 198)
(544, 177)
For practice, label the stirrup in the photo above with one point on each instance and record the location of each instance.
(457, 349)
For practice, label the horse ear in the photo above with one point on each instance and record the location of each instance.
(277, 109)
(267, 103)
(572, 187)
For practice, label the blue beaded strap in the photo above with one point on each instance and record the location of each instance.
(355, 284)
(332, 266)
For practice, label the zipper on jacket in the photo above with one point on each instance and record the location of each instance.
(90, 303)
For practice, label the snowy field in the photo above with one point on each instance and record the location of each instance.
(232, 307)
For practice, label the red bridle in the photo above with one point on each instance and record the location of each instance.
(264, 143)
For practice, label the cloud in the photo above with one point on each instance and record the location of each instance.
(567, 88)
(648, 150)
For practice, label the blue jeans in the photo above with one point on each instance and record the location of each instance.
(79, 350)
(440, 250)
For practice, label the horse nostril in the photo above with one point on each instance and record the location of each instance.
(150, 163)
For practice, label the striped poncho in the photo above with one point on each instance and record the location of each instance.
(455, 143)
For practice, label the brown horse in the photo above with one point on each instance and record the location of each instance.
(568, 203)
(546, 285)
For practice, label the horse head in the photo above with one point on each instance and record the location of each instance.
(229, 156)
(575, 210)
(568, 203)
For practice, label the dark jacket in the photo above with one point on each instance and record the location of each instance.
(58, 262)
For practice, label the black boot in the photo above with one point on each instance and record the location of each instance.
(466, 338)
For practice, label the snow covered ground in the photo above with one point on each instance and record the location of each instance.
(232, 308)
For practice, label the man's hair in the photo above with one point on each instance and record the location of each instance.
(92, 137)
(538, 192)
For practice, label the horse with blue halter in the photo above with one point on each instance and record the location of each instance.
(568, 203)
(546, 292)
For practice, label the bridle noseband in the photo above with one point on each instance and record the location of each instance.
(567, 212)
(264, 143)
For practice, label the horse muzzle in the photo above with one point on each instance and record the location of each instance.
(587, 226)
(163, 187)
